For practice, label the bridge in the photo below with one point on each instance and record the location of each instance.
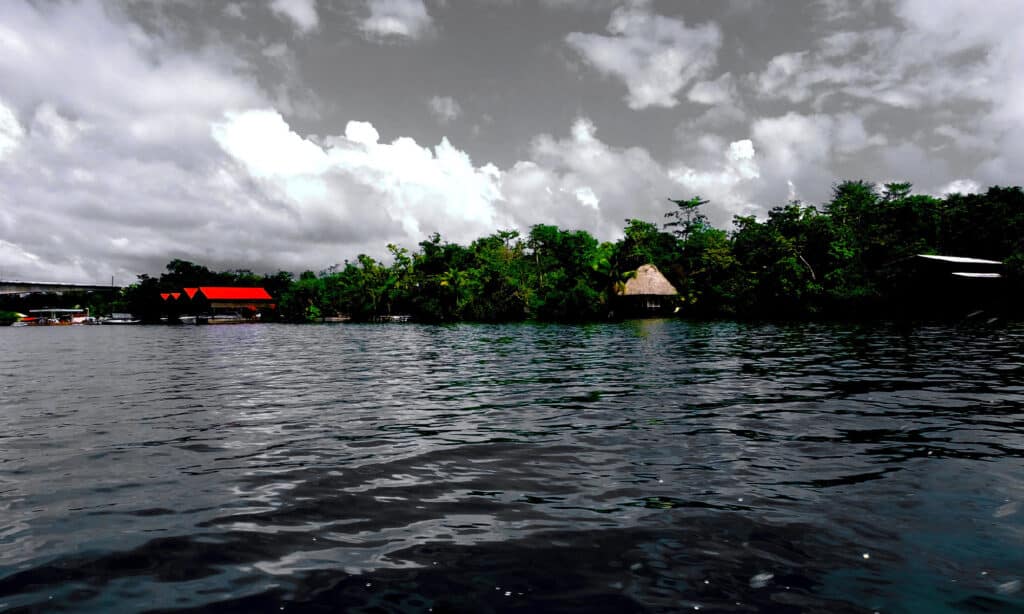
(52, 287)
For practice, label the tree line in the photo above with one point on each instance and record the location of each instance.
(851, 257)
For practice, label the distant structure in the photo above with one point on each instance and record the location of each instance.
(219, 304)
(950, 286)
(51, 287)
(647, 293)
(959, 266)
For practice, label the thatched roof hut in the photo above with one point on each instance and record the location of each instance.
(648, 281)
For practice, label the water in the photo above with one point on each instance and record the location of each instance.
(645, 466)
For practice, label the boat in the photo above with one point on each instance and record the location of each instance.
(393, 318)
(188, 319)
(51, 316)
(120, 319)
(227, 318)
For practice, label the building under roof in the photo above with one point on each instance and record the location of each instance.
(952, 286)
(958, 259)
(245, 302)
(648, 292)
(648, 281)
(229, 293)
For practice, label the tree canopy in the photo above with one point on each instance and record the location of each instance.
(847, 257)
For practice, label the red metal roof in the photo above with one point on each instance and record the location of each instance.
(191, 292)
(220, 293)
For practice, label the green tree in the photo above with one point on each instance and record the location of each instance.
(566, 286)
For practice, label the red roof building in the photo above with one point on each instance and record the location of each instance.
(224, 293)
(243, 303)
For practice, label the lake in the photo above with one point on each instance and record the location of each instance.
(633, 467)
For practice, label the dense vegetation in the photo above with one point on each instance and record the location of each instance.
(851, 257)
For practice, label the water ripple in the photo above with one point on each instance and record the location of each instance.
(643, 466)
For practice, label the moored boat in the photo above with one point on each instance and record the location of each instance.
(120, 319)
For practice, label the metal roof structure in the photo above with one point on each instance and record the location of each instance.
(958, 259)
(977, 275)
(57, 310)
(225, 293)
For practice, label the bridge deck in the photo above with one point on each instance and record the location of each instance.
(25, 287)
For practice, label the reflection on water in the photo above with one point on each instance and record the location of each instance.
(642, 466)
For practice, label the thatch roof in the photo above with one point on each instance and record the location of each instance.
(648, 281)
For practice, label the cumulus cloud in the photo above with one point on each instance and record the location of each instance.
(445, 108)
(115, 142)
(123, 147)
(266, 144)
(582, 182)
(801, 152)
(578, 181)
(116, 168)
(655, 56)
(402, 19)
(419, 190)
(728, 179)
(301, 13)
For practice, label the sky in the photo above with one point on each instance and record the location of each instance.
(296, 134)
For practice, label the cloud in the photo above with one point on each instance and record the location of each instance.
(727, 180)
(11, 132)
(276, 50)
(267, 146)
(361, 132)
(445, 108)
(782, 78)
(234, 9)
(140, 152)
(406, 19)
(576, 5)
(122, 147)
(582, 182)
(419, 190)
(655, 56)
(925, 60)
(940, 83)
(799, 152)
(576, 182)
(993, 41)
(721, 91)
(843, 10)
(849, 135)
(302, 13)
(111, 179)
(961, 186)
(114, 142)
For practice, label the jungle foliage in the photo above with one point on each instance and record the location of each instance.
(842, 259)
